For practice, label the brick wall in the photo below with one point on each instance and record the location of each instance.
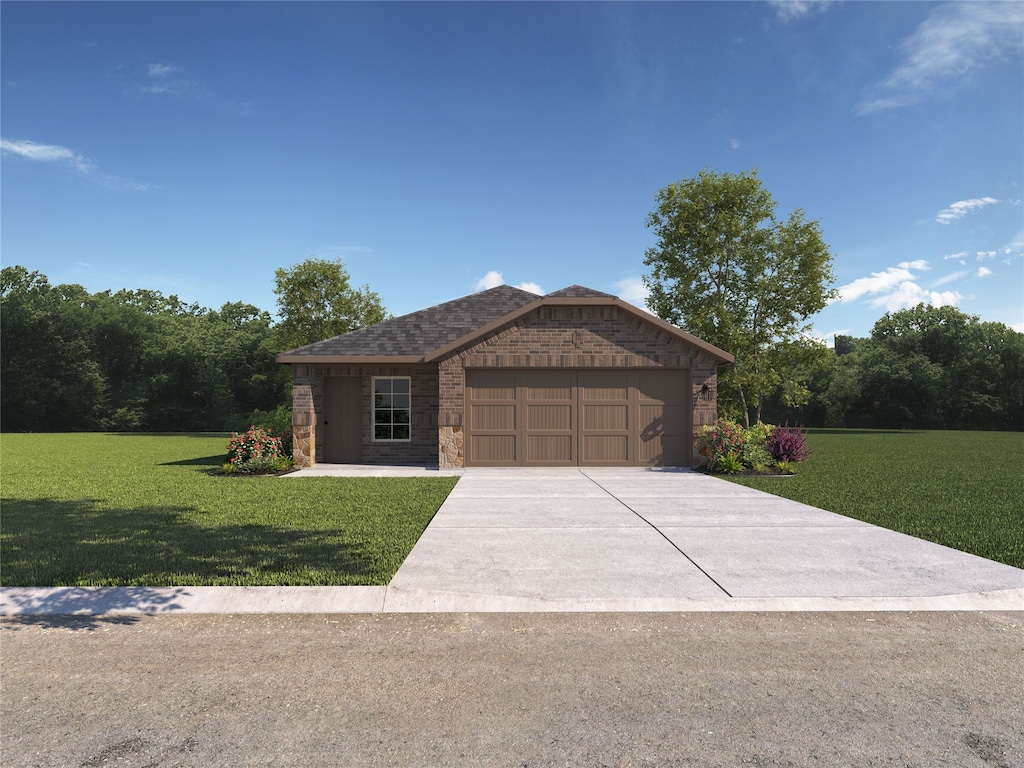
(570, 337)
(308, 409)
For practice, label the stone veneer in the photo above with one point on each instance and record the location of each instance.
(549, 337)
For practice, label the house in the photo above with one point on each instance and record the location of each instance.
(506, 378)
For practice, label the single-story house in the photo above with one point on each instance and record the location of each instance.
(506, 378)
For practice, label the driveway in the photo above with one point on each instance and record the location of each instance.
(640, 539)
(597, 539)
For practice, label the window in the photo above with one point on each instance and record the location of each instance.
(391, 408)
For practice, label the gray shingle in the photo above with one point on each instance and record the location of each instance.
(420, 333)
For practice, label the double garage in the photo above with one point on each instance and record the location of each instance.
(587, 417)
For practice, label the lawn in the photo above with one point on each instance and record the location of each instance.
(115, 509)
(961, 489)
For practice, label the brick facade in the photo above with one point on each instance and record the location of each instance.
(308, 409)
(549, 337)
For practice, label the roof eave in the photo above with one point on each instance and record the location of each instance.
(350, 359)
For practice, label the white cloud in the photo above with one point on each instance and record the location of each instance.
(788, 10)
(46, 153)
(1018, 327)
(982, 255)
(491, 280)
(878, 282)
(984, 272)
(910, 294)
(961, 257)
(735, 143)
(955, 41)
(633, 290)
(961, 208)
(953, 277)
(494, 278)
(897, 288)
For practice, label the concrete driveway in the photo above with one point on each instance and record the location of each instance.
(589, 539)
(640, 539)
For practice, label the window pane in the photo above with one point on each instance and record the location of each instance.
(400, 401)
(382, 401)
(400, 417)
(382, 432)
(382, 386)
(402, 432)
(382, 417)
(400, 385)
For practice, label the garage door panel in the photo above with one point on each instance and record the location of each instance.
(494, 417)
(547, 417)
(661, 419)
(605, 449)
(604, 385)
(662, 450)
(605, 417)
(493, 449)
(550, 450)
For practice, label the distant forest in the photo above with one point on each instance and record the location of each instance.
(141, 361)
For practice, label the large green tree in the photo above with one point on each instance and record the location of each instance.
(315, 301)
(727, 270)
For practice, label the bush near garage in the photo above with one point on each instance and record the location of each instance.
(726, 447)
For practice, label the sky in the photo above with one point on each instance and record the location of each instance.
(439, 149)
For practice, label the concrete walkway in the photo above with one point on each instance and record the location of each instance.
(609, 539)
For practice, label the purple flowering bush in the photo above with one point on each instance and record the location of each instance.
(788, 444)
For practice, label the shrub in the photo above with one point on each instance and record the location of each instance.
(787, 467)
(788, 444)
(753, 453)
(729, 464)
(720, 439)
(257, 443)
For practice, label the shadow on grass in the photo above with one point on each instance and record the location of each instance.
(48, 542)
(206, 461)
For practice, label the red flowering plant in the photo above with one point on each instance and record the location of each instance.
(253, 451)
(714, 442)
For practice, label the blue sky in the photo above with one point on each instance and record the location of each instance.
(441, 148)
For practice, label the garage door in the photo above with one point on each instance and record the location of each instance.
(588, 417)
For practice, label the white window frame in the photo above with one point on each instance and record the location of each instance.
(392, 408)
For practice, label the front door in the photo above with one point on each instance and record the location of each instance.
(343, 423)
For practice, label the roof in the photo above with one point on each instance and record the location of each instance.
(432, 333)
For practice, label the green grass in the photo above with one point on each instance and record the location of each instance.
(112, 509)
(961, 489)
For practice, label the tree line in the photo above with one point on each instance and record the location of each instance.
(136, 360)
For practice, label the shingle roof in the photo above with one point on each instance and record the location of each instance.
(578, 292)
(435, 331)
(419, 333)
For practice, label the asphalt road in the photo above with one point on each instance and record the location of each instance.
(674, 689)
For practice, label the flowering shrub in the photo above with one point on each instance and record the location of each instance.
(723, 438)
(788, 444)
(257, 443)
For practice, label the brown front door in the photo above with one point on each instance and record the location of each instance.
(343, 423)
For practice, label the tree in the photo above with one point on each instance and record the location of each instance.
(725, 269)
(50, 381)
(315, 302)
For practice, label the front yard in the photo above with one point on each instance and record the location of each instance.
(119, 509)
(961, 489)
(115, 509)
